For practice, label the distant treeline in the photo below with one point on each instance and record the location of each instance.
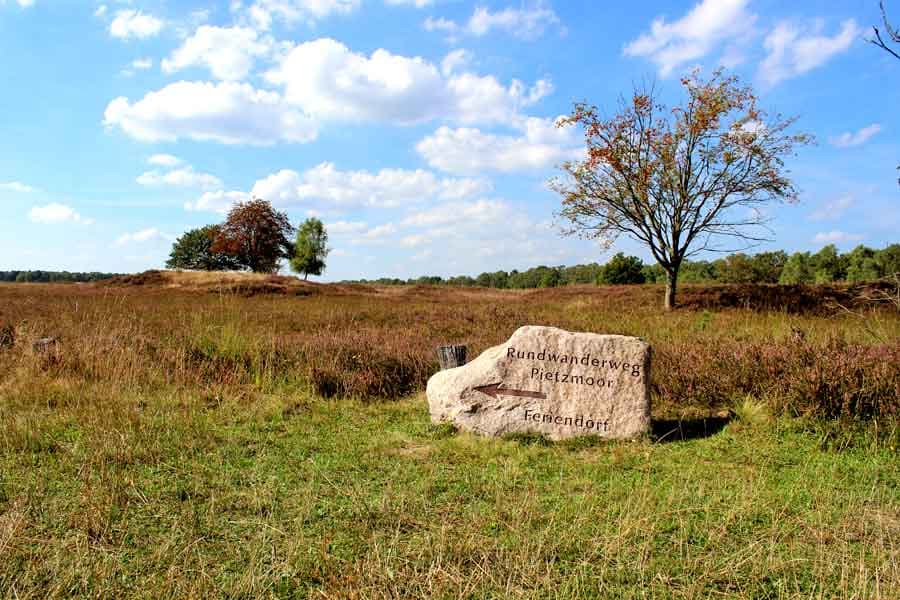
(825, 266)
(52, 276)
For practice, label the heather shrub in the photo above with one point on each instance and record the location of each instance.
(833, 380)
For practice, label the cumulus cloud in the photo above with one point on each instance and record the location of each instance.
(476, 212)
(226, 112)
(704, 28)
(144, 235)
(181, 177)
(386, 188)
(454, 61)
(164, 160)
(527, 23)
(470, 150)
(416, 3)
(793, 51)
(836, 237)
(56, 213)
(327, 80)
(833, 209)
(17, 186)
(138, 64)
(219, 201)
(261, 13)
(134, 24)
(228, 52)
(848, 139)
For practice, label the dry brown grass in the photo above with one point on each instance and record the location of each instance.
(174, 443)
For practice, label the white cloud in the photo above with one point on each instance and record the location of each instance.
(181, 177)
(164, 160)
(836, 237)
(471, 213)
(792, 51)
(17, 186)
(440, 24)
(226, 112)
(228, 52)
(388, 187)
(329, 81)
(526, 23)
(23, 3)
(346, 228)
(56, 213)
(454, 61)
(219, 201)
(142, 64)
(468, 150)
(416, 3)
(846, 140)
(261, 13)
(145, 235)
(138, 64)
(833, 209)
(693, 36)
(133, 23)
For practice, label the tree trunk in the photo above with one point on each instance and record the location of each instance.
(450, 357)
(671, 285)
(305, 276)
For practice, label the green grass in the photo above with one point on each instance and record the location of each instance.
(175, 494)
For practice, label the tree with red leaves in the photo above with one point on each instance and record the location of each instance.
(677, 180)
(256, 235)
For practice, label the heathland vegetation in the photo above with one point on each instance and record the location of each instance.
(268, 439)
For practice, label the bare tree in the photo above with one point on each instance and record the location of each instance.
(892, 33)
(675, 180)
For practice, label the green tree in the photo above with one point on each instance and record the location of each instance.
(862, 264)
(797, 269)
(889, 260)
(736, 268)
(193, 250)
(621, 270)
(311, 248)
(654, 273)
(828, 265)
(698, 271)
(767, 266)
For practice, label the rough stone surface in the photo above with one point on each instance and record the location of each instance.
(549, 381)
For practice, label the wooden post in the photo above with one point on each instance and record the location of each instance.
(451, 356)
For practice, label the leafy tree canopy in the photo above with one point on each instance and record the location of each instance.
(310, 248)
(256, 235)
(193, 250)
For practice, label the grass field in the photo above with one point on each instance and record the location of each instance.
(257, 439)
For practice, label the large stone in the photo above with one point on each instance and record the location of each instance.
(549, 381)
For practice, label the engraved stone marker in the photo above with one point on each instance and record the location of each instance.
(549, 381)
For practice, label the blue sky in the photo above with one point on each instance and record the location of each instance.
(421, 131)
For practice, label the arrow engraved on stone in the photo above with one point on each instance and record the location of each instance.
(494, 390)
